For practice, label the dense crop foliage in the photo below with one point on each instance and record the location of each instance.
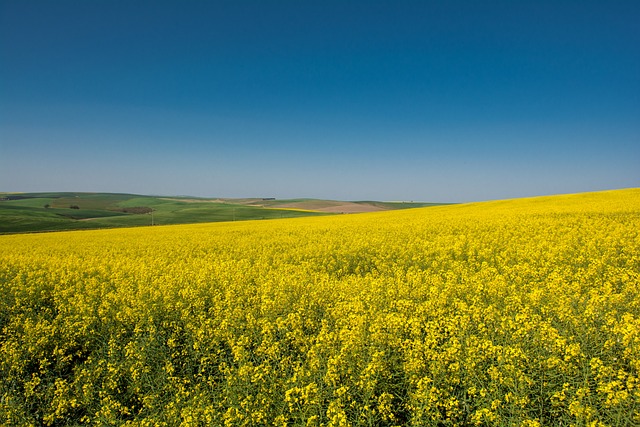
(523, 312)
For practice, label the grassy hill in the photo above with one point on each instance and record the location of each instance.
(28, 212)
(35, 212)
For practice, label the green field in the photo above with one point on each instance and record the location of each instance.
(37, 212)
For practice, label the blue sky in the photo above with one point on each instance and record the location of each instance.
(388, 100)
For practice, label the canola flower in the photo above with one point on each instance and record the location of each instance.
(509, 313)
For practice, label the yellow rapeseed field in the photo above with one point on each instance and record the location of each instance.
(508, 313)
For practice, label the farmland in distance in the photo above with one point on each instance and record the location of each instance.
(37, 212)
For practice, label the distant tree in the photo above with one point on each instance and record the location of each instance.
(47, 206)
(137, 210)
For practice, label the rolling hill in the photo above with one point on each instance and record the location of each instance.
(56, 211)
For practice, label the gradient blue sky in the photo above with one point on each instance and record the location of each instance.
(390, 100)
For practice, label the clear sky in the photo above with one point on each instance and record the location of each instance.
(389, 100)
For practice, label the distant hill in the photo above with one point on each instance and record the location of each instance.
(329, 206)
(53, 211)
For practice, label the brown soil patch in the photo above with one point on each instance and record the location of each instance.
(331, 206)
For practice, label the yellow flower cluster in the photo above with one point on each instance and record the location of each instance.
(519, 313)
